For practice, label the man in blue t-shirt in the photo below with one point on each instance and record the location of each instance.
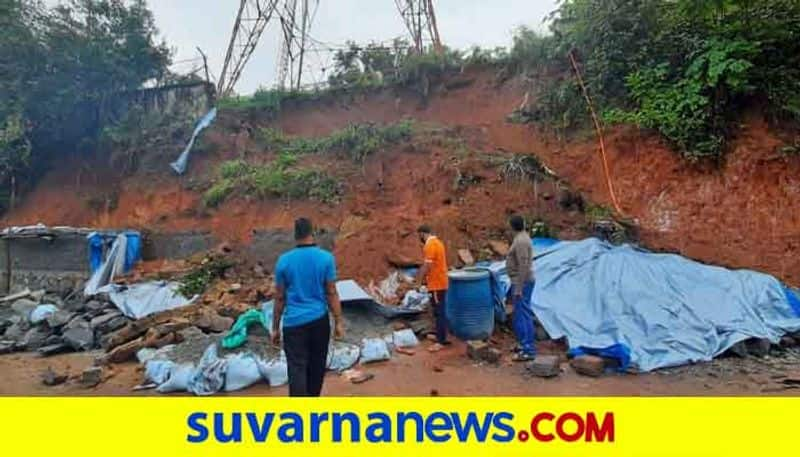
(305, 289)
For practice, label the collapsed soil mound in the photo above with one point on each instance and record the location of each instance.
(744, 214)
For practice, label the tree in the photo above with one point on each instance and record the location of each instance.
(55, 62)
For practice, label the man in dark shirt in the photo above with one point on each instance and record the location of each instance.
(519, 267)
(305, 291)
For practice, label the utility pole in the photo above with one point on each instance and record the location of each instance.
(420, 20)
(251, 20)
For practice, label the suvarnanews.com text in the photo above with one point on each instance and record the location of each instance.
(399, 427)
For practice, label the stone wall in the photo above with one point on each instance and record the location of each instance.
(61, 263)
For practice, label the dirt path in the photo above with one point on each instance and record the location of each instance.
(449, 373)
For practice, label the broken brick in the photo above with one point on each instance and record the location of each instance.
(92, 376)
(545, 366)
(477, 350)
(589, 365)
(493, 355)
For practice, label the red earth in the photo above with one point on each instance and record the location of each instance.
(743, 214)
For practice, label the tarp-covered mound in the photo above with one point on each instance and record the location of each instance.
(659, 310)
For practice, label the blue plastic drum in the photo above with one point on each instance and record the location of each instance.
(470, 308)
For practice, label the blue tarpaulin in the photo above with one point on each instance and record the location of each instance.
(653, 310)
(100, 245)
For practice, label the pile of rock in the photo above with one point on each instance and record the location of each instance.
(50, 325)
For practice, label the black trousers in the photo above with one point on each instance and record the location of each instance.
(438, 298)
(306, 348)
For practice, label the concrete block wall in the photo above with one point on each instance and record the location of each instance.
(56, 263)
(61, 263)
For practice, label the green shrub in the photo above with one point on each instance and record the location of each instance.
(218, 192)
(690, 110)
(684, 68)
(197, 281)
(357, 141)
(277, 179)
(233, 169)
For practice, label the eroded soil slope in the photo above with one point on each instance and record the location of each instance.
(744, 214)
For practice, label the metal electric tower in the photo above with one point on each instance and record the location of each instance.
(293, 42)
(420, 19)
(252, 19)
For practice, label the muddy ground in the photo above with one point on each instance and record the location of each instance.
(450, 373)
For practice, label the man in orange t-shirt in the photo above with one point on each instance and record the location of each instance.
(434, 273)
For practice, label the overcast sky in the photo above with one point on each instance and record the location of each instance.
(187, 24)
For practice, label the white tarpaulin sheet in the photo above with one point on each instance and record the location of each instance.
(140, 300)
(112, 266)
(180, 165)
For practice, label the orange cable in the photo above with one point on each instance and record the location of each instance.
(599, 130)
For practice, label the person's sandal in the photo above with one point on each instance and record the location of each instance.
(436, 347)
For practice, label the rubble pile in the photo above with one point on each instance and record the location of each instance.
(50, 324)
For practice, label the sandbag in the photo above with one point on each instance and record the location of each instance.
(374, 350)
(275, 371)
(342, 356)
(415, 301)
(179, 378)
(158, 371)
(405, 338)
(242, 372)
(209, 378)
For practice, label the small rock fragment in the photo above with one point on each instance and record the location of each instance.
(7, 347)
(79, 335)
(23, 307)
(477, 350)
(758, 347)
(100, 323)
(60, 318)
(51, 378)
(493, 355)
(545, 366)
(92, 376)
(589, 365)
(53, 349)
(210, 321)
(34, 339)
(95, 305)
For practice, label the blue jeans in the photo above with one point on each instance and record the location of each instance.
(523, 319)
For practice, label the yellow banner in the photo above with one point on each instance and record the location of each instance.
(388, 427)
